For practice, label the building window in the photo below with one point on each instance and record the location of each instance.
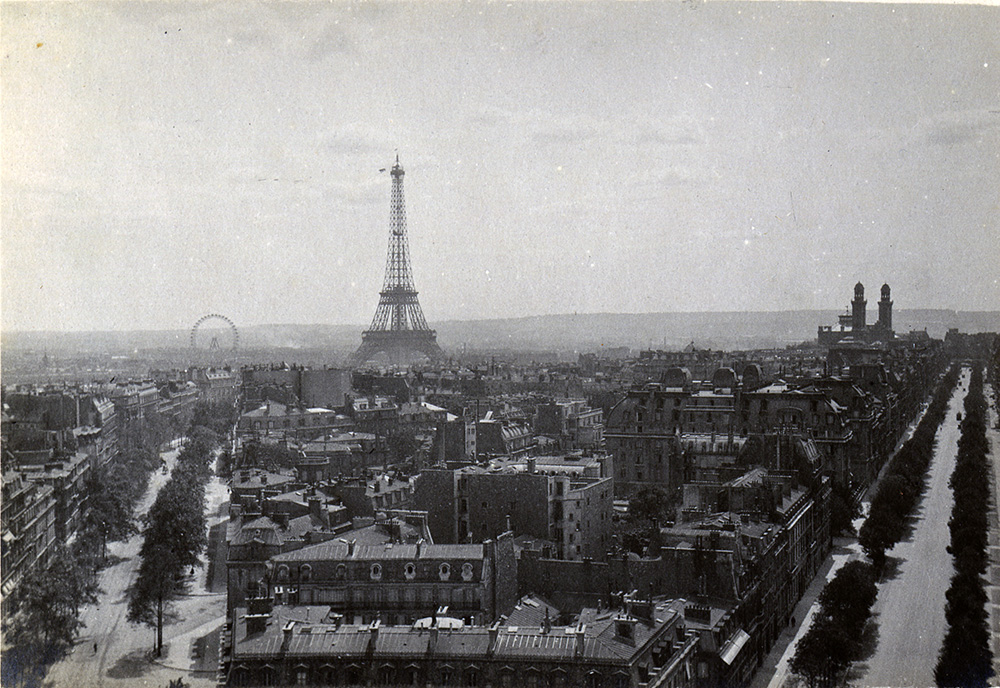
(444, 571)
(376, 572)
(410, 571)
(467, 571)
(306, 573)
(282, 573)
(341, 573)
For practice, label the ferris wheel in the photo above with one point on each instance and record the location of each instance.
(218, 334)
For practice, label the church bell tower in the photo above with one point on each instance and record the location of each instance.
(858, 308)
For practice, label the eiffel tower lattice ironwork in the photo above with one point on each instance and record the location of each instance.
(398, 329)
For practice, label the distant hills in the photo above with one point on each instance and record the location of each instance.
(565, 333)
(708, 330)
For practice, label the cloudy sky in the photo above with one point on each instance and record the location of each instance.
(162, 161)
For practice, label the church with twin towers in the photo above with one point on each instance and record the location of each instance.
(853, 325)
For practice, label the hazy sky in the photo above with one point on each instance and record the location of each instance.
(161, 161)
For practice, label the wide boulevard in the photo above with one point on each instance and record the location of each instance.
(115, 653)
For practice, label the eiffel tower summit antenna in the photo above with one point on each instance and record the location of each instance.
(398, 330)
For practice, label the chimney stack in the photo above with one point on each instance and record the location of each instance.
(581, 633)
(432, 640)
(494, 634)
(318, 511)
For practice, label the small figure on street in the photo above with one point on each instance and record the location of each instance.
(95, 648)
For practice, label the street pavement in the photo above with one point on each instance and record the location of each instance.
(115, 653)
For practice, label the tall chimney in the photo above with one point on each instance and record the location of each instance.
(494, 634)
(432, 640)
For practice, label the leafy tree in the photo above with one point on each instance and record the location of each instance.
(824, 652)
(153, 589)
(148, 433)
(897, 493)
(833, 640)
(966, 598)
(217, 417)
(649, 504)
(47, 607)
(109, 517)
(848, 598)
(843, 510)
(401, 445)
(879, 532)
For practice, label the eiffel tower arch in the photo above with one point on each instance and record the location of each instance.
(398, 330)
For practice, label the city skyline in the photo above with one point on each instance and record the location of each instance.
(166, 160)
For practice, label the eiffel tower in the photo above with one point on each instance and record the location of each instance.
(398, 329)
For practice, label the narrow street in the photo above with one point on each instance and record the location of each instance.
(122, 650)
(909, 610)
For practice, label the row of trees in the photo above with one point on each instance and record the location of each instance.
(834, 639)
(113, 492)
(175, 530)
(45, 618)
(993, 371)
(965, 658)
(900, 489)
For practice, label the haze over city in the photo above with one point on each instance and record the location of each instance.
(164, 160)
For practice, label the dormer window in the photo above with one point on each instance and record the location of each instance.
(444, 571)
(376, 572)
(410, 570)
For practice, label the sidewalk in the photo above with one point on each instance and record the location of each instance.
(774, 672)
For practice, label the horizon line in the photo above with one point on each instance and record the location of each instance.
(187, 328)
